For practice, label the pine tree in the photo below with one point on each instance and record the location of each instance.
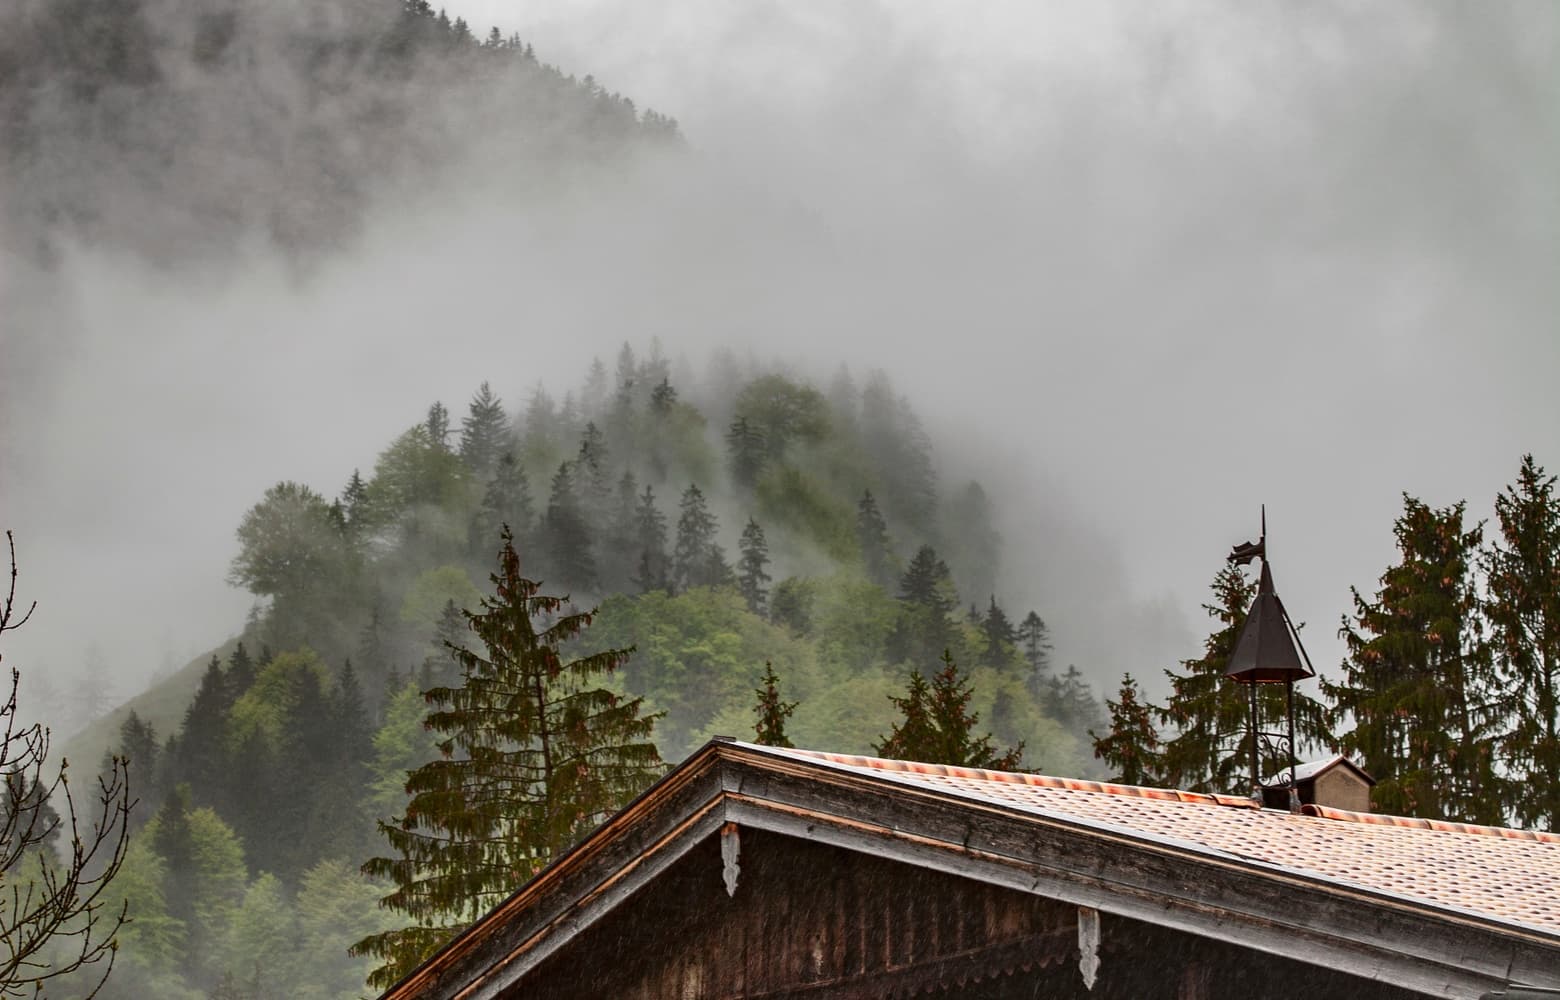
(752, 580)
(697, 559)
(1207, 713)
(507, 500)
(745, 452)
(1131, 748)
(354, 504)
(1419, 684)
(202, 760)
(566, 539)
(1000, 636)
(927, 600)
(650, 541)
(1522, 570)
(877, 555)
(772, 711)
(938, 726)
(484, 432)
(592, 478)
(534, 755)
(438, 426)
(1035, 640)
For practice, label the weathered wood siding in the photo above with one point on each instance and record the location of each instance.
(808, 920)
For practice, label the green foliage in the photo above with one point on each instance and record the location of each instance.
(780, 412)
(416, 471)
(484, 433)
(431, 591)
(752, 568)
(771, 711)
(789, 497)
(266, 710)
(533, 756)
(1419, 686)
(694, 657)
(938, 726)
(1131, 748)
(401, 745)
(697, 559)
(1522, 569)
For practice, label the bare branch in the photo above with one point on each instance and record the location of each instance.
(57, 917)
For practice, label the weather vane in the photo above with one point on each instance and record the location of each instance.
(1268, 651)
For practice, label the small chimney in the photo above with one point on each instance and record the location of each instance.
(1335, 782)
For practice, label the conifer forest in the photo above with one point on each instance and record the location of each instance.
(413, 446)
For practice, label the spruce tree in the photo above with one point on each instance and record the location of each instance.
(1210, 714)
(1522, 572)
(1418, 684)
(877, 556)
(653, 572)
(745, 452)
(1034, 639)
(484, 432)
(771, 711)
(1131, 748)
(938, 727)
(438, 426)
(999, 634)
(926, 626)
(697, 559)
(752, 578)
(566, 541)
(534, 754)
(506, 500)
(1070, 700)
(354, 504)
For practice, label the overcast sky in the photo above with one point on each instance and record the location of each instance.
(1144, 266)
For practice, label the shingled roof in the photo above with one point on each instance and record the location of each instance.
(1491, 872)
(1443, 909)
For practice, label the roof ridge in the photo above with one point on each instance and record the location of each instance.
(1439, 825)
(1025, 778)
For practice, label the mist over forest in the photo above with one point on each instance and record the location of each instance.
(1070, 290)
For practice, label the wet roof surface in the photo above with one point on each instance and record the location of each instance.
(1507, 875)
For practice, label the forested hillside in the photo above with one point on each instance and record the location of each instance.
(748, 516)
(182, 129)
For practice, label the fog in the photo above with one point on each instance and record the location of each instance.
(1142, 269)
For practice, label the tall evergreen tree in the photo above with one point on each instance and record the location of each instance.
(999, 634)
(202, 760)
(877, 556)
(697, 559)
(506, 500)
(1210, 715)
(654, 572)
(1207, 713)
(354, 504)
(484, 432)
(534, 755)
(1419, 684)
(1070, 700)
(438, 426)
(1522, 570)
(771, 711)
(938, 727)
(1131, 748)
(566, 541)
(926, 627)
(745, 452)
(752, 578)
(1034, 640)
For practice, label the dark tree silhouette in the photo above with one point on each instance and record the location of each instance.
(771, 711)
(938, 727)
(1131, 748)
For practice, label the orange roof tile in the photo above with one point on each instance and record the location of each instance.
(1491, 872)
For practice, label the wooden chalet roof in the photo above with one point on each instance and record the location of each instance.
(1443, 909)
(1493, 872)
